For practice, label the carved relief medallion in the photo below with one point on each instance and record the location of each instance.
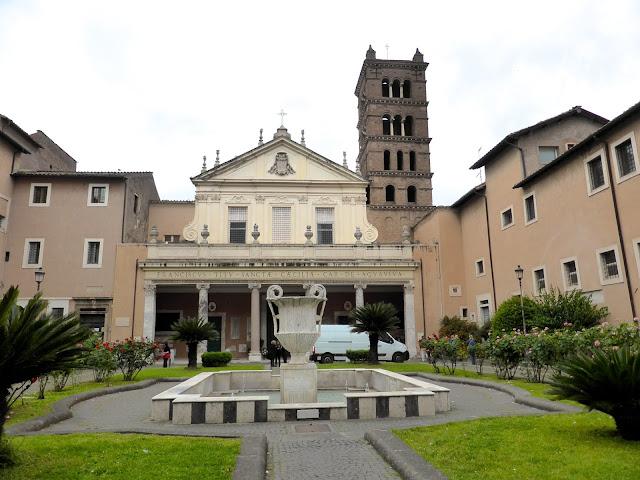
(281, 165)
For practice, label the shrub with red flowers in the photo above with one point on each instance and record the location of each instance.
(132, 354)
(100, 359)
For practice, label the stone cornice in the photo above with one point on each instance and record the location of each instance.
(401, 207)
(378, 173)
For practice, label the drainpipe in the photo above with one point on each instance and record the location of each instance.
(493, 280)
(133, 308)
(524, 165)
(617, 216)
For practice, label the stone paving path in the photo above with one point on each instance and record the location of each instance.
(296, 450)
(326, 456)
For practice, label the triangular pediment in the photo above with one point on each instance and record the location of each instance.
(280, 160)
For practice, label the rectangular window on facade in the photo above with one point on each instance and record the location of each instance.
(136, 203)
(609, 265)
(507, 217)
(235, 328)
(57, 312)
(530, 213)
(281, 225)
(539, 281)
(485, 314)
(92, 253)
(570, 274)
(237, 224)
(33, 252)
(547, 154)
(98, 194)
(172, 238)
(324, 225)
(595, 173)
(3, 222)
(33, 257)
(625, 159)
(40, 195)
(464, 312)
(480, 267)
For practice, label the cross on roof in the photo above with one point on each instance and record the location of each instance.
(282, 114)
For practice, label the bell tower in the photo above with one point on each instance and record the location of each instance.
(393, 135)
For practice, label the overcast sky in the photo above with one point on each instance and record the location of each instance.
(155, 85)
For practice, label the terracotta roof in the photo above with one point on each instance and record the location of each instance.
(512, 137)
(587, 142)
(40, 173)
(475, 191)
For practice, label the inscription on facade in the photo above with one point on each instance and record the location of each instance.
(298, 274)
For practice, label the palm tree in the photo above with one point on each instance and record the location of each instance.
(193, 330)
(604, 381)
(376, 320)
(33, 344)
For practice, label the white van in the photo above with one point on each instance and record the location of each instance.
(335, 340)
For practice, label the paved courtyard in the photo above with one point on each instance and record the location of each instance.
(296, 450)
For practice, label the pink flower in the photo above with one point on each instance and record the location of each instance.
(615, 347)
(596, 343)
(636, 320)
(79, 345)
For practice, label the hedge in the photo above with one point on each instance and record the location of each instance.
(216, 359)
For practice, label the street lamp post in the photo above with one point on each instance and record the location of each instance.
(519, 273)
(39, 277)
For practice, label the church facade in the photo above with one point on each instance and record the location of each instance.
(278, 214)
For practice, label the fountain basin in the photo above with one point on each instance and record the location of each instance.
(205, 398)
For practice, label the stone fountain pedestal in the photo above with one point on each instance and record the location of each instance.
(297, 326)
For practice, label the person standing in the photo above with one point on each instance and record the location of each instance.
(273, 353)
(166, 356)
(471, 343)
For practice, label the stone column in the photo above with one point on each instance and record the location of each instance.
(149, 327)
(255, 355)
(360, 294)
(410, 319)
(203, 311)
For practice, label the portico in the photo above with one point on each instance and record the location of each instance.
(234, 290)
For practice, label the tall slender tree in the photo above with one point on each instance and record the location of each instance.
(32, 344)
(374, 319)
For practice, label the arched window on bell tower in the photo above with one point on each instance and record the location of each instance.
(411, 194)
(390, 193)
(385, 87)
(406, 89)
(397, 125)
(387, 160)
(395, 88)
(412, 161)
(386, 125)
(399, 157)
(408, 126)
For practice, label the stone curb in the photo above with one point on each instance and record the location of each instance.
(403, 459)
(61, 410)
(251, 463)
(519, 395)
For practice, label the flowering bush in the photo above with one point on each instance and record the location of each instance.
(446, 350)
(505, 354)
(100, 359)
(132, 355)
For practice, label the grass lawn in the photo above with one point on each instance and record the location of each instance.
(31, 407)
(121, 456)
(581, 446)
